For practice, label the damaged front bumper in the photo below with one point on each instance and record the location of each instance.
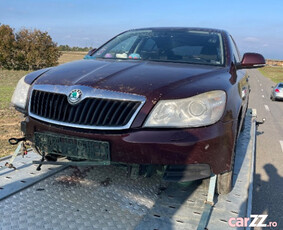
(212, 146)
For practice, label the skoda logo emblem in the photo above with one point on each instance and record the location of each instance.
(75, 96)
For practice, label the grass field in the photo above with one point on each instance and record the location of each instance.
(71, 56)
(9, 118)
(275, 73)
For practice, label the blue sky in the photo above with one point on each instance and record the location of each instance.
(257, 26)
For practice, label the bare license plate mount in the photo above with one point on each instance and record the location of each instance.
(78, 148)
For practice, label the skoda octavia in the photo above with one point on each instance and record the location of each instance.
(169, 99)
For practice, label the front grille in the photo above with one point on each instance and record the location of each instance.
(89, 112)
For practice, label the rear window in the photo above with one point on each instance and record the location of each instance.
(280, 85)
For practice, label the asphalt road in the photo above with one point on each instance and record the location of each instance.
(268, 180)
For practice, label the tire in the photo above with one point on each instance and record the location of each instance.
(273, 99)
(224, 180)
(224, 183)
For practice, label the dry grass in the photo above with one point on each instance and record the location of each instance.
(275, 73)
(9, 118)
(71, 56)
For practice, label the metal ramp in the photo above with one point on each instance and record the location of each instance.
(103, 197)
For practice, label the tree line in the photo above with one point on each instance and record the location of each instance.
(74, 48)
(29, 49)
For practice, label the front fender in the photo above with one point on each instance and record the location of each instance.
(31, 77)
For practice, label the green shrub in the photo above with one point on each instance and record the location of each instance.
(7, 47)
(27, 49)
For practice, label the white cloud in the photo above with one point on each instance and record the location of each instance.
(251, 39)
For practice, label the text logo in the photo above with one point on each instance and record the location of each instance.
(253, 221)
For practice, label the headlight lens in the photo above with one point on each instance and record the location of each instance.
(20, 95)
(201, 110)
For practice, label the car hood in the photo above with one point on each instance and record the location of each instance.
(136, 77)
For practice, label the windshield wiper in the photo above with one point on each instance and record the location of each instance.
(183, 62)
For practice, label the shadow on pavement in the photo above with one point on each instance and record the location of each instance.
(262, 198)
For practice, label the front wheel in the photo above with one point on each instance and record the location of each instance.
(224, 180)
(224, 183)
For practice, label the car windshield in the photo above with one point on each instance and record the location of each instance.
(187, 46)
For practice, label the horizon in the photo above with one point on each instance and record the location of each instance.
(255, 26)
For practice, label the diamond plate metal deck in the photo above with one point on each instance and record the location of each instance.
(103, 197)
(25, 175)
(81, 198)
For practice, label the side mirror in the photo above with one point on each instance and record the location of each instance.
(251, 60)
(272, 87)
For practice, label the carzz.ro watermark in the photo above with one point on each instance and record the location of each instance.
(252, 221)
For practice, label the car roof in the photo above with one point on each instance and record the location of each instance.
(181, 29)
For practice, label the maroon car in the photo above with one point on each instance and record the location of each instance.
(169, 99)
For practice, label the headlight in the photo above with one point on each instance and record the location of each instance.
(201, 110)
(20, 95)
